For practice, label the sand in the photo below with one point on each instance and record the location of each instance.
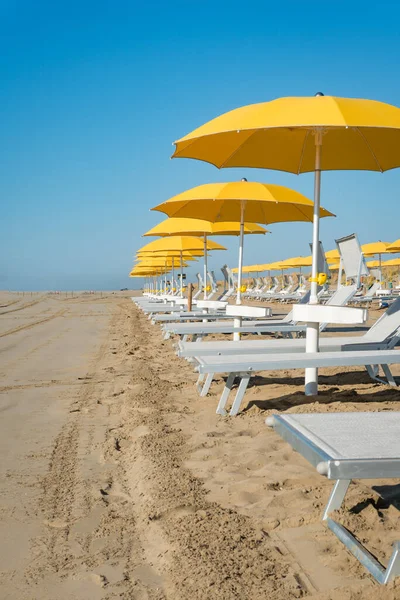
(118, 481)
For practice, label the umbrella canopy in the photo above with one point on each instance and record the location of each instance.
(372, 264)
(299, 261)
(170, 253)
(357, 134)
(376, 248)
(181, 244)
(332, 254)
(334, 266)
(241, 201)
(393, 262)
(394, 246)
(249, 269)
(176, 226)
(262, 202)
(300, 135)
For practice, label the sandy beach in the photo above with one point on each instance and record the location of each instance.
(118, 481)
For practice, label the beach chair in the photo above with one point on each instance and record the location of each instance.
(229, 283)
(384, 334)
(286, 326)
(369, 296)
(342, 447)
(246, 365)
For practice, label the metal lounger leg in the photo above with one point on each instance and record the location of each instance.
(207, 384)
(389, 375)
(225, 394)
(199, 381)
(373, 372)
(239, 394)
(381, 574)
(337, 496)
(167, 335)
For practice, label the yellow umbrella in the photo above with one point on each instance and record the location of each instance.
(249, 269)
(394, 246)
(393, 262)
(334, 266)
(241, 201)
(176, 226)
(371, 264)
(376, 248)
(300, 135)
(182, 244)
(332, 255)
(181, 226)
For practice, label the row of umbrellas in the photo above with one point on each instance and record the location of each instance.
(296, 135)
(333, 258)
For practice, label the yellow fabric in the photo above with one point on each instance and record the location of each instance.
(394, 246)
(178, 226)
(249, 269)
(180, 243)
(264, 203)
(334, 267)
(357, 134)
(394, 262)
(170, 253)
(332, 254)
(376, 248)
(372, 264)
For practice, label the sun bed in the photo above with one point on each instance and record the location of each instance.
(384, 334)
(244, 366)
(342, 447)
(287, 325)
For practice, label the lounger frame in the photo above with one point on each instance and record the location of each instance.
(343, 471)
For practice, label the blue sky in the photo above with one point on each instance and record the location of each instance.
(94, 93)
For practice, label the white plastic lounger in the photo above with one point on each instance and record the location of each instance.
(246, 365)
(384, 334)
(285, 325)
(346, 446)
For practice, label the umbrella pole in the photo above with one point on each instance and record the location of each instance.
(181, 276)
(240, 266)
(312, 332)
(205, 266)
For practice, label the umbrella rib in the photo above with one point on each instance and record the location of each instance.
(303, 151)
(369, 148)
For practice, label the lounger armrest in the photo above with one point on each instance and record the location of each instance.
(326, 313)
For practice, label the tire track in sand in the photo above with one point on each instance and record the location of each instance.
(60, 313)
(90, 533)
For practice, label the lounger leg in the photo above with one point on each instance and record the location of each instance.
(239, 394)
(381, 574)
(207, 384)
(225, 394)
(389, 376)
(199, 381)
(167, 335)
(373, 372)
(337, 496)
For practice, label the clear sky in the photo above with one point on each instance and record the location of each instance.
(93, 94)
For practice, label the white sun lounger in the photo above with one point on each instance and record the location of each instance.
(384, 334)
(244, 366)
(346, 446)
(286, 325)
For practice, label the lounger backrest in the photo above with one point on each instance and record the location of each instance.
(371, 292)
(352, 258)
(387, 326)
